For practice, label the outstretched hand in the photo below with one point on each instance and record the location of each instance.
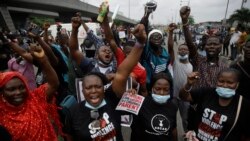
(140, 33)
(184, 13)
(172, 27)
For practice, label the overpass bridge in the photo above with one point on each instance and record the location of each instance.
(62, 10)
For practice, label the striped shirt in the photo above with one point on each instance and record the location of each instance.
(208, 71)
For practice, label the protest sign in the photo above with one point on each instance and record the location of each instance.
(130, 103)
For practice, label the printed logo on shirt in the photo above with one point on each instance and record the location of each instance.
(102, 129)
(211, 125)
(160, 124)
(160, 68)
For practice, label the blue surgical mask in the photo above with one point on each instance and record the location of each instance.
(225, 92)
(160, 98)
(185, 57)
(103, 103)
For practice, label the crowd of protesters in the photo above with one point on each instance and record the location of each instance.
(42, 104)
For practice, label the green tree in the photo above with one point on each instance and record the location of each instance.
(118, 22)
(241, 15)
(41, 20)
(191, 20)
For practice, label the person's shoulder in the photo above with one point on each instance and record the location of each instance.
(76, 108)
(234, 65)
(246, 102)
(173, 104)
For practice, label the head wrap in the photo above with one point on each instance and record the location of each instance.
(7, 76)
(31, 120)
(154, 31)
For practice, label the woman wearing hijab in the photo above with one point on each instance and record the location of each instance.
(26, 114)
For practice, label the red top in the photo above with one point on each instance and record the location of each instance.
(138, 72)
(30, 121)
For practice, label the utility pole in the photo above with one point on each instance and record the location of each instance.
(242, 4)
(225, 19)
(129, 9)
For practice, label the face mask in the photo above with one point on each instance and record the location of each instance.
(185, 57)
(104, 64)
(225, 92)
(160, 98)
(95, 108)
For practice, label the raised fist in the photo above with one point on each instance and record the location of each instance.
(172, 27)
(76, 22)
(184, 13)
(36, 51)
(46, 26)
(140, 33)
(193, 78)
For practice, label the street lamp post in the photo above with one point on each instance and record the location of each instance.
(225, 19)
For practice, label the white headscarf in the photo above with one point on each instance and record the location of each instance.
(154, 31)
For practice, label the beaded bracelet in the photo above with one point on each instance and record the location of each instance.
(137, 44)
(188, 89)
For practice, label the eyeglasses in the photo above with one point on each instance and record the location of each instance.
(156, 37)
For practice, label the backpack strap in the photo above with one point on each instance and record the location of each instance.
(236, 118)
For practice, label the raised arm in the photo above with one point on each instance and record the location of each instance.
(50, 74)
(172, 27)
(45, 34)
(21, 51)
(184, 13)
(91, 36)
(144, 19)
(185, 91)
(108, 33)
(48, 51)
(123, 71)
(76, 54)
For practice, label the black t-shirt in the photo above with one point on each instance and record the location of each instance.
(214, 121)
(154, 121)
(243, 88)
(80, 125)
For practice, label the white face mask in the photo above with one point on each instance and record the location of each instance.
(160, 98)
(185, 57)
(103, 103)
(225, 92)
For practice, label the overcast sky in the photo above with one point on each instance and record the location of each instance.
(168, 10)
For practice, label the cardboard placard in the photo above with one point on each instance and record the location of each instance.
(130, 103)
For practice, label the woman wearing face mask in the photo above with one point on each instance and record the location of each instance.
(95, 118)
(222, 113)
(157, 117)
